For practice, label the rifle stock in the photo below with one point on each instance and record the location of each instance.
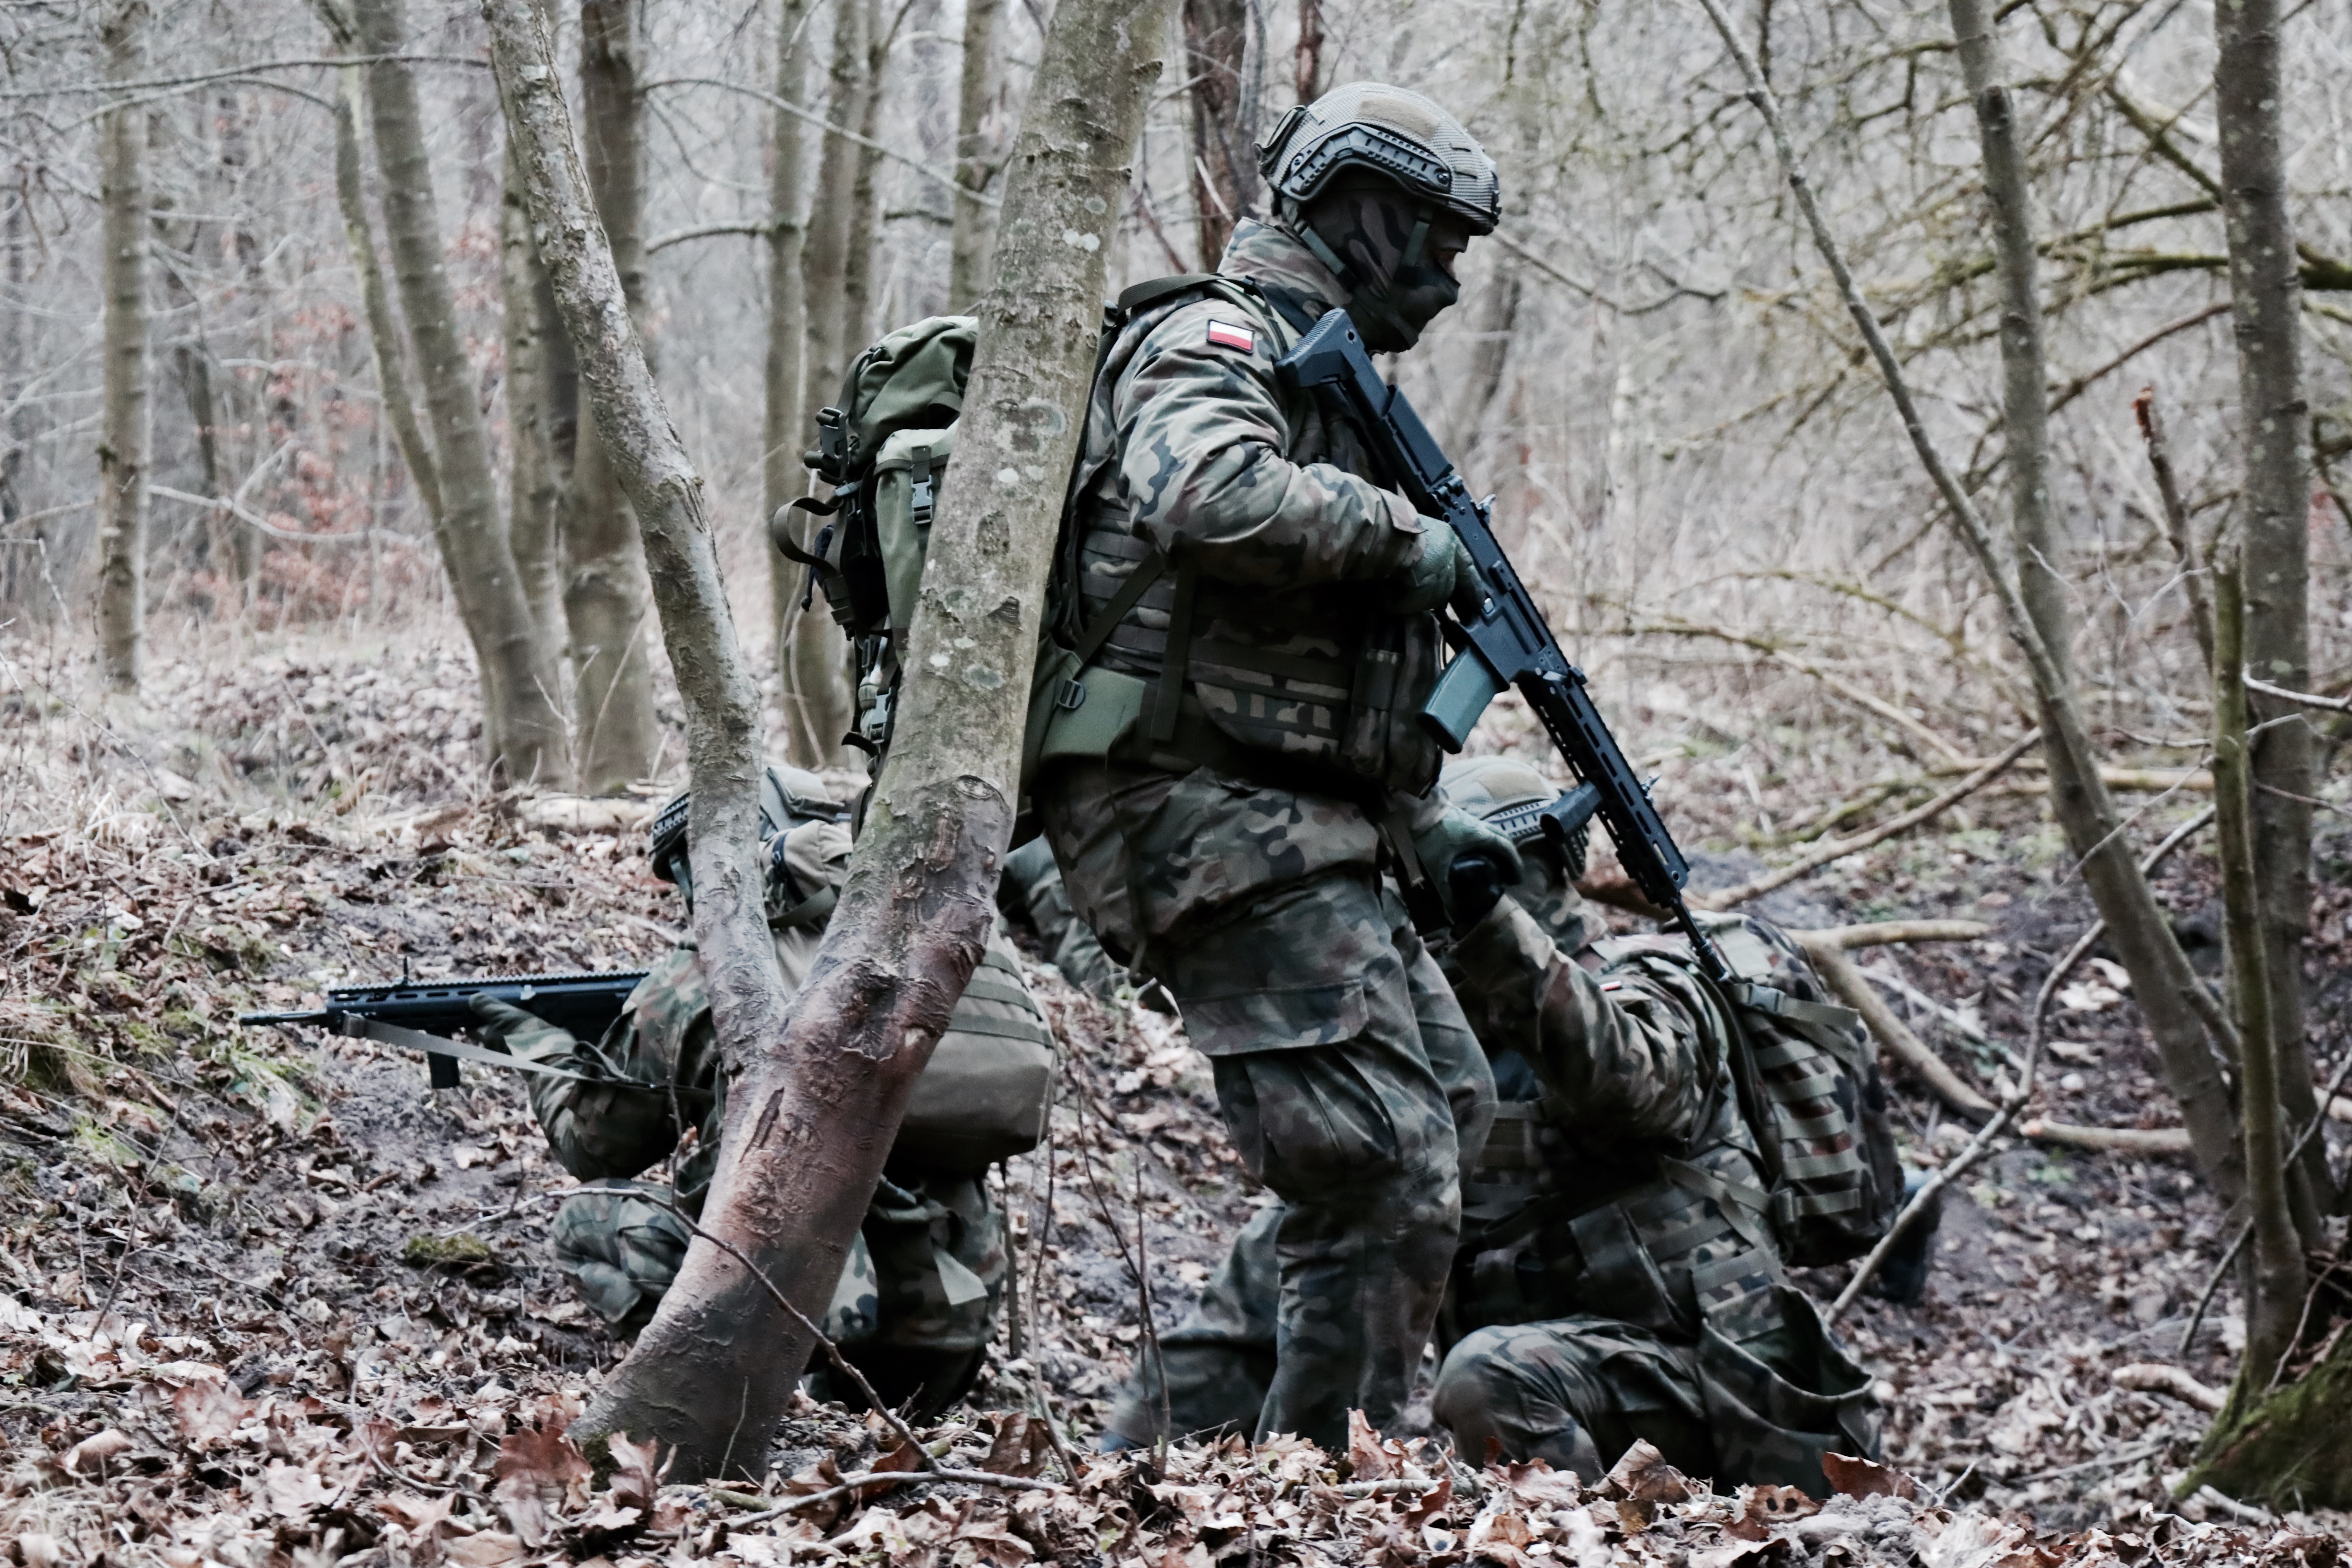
(1500, 640)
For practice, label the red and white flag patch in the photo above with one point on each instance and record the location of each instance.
(1226, 335)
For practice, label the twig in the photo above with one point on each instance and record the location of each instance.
(1882, 933)
(2300, 699)
(2176, 519)
(2109, 1139)
(1844, 977)
(858, 1479)
(833, 1352)
(2246, 1227)
(1838, 849)
(1135, 1272)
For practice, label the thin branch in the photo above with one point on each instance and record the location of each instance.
(199, 78)
(2300, 699)
(759, 229)
(1838, 849)
(802, 112)
(1844, 977)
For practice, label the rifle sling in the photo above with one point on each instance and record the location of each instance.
(435, 1044)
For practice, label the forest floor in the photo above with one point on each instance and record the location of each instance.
(266, 1301)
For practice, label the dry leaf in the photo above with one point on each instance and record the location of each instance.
(1865, 1477)
(208, 1413)
(1644, 1476)
(1774, 1505)
(539, 1471)
(1021, 1447)
(1366, 1459)
(89, 1457)
(293, 1493)
(635, 1480)
(490, 1549)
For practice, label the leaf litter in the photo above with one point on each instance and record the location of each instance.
(264, 1304)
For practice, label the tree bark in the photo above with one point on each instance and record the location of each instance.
(2164, 986)
(1216, 38)
(2265, 307)
(817, 687)
(809, 646)
(857, 290)
(2274, 1297)
(532, 481)
(124, 444)
(976, 160)
(521, 725)
(615, 734)
(1306, 61)
(813, 1112)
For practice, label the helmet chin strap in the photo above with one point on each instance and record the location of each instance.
(1346, 275)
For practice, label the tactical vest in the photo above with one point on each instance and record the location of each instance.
(1245, 680)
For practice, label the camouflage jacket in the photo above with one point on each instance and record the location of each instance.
(1614, 1182)
(1194, 453)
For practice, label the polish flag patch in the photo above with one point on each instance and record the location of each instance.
(1226, 335)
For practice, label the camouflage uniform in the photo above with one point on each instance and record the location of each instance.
(1031, 890)
(917, 1300)
(1234, 853)
(1611, 1284)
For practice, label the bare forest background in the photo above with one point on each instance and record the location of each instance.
(307, 542)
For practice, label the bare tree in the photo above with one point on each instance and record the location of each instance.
(124, 447)
(2273, 513)
(1216, 38)
(604, 604)
(524, 733)
(533, 486)
(975, 164)
(813, 1105)
(858, 285)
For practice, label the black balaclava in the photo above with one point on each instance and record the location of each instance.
(1384, 245)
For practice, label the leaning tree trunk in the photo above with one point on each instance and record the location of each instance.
(125, 439)
(816, 690)
(1216, 38)
(520, 721)
(2265, 306)
(615, 734)
(814, 1108)
(532, 482)
(976, 165)
(2163, 983)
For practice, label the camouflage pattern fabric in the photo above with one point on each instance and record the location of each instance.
(919, 1293)
(1031, 890)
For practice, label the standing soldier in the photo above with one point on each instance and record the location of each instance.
(1267, 607)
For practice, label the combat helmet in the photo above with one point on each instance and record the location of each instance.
(1387, 131)
(1503, 791)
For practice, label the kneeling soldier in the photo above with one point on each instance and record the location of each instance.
(917, 1299)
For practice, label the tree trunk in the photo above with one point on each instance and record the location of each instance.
(858, 282)
(816, 690)
(2163, 982)
(532, 481)
(615, 734)
(2265, 306)
(126, 435)
(813, 1111)
(359, 238)
(2274, 1297)
(1307, 62)
(1225, 176)
(520, 722)
(976, 161)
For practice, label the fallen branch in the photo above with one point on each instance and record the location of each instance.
(1844, 977)
(1883, 934)
(2154, 1377)
(1841, 687)
(2109, 1139)
(851, 1483)
(1838, 849)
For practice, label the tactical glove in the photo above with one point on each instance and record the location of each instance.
(1429, 581)
(506, 1027)
(1471, 862)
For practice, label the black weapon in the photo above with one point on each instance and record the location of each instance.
(420, 1015)
(1498, 636)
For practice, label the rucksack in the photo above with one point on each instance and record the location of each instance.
(885, 447)
(1809, 1086)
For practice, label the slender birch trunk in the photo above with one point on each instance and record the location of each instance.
(2274, 518)
(615, 734)
(520, 719)
(815, 1105)
(532, 482)
(976, 161)
(126, 437)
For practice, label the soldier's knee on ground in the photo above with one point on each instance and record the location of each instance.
(621, 1249)
(1499, 1394)
(939, 1261)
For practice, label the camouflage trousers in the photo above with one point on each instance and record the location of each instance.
(1578, 1391)
(1349, 1077)
(917, 1299)
(1033, 886)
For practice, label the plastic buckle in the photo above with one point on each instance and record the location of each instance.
(1072, 696)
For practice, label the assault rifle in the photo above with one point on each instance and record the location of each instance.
(1498, 636)
(421, 1015)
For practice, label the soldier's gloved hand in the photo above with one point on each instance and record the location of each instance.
(501, 1022)
(1470, 860)
(1429, 581)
